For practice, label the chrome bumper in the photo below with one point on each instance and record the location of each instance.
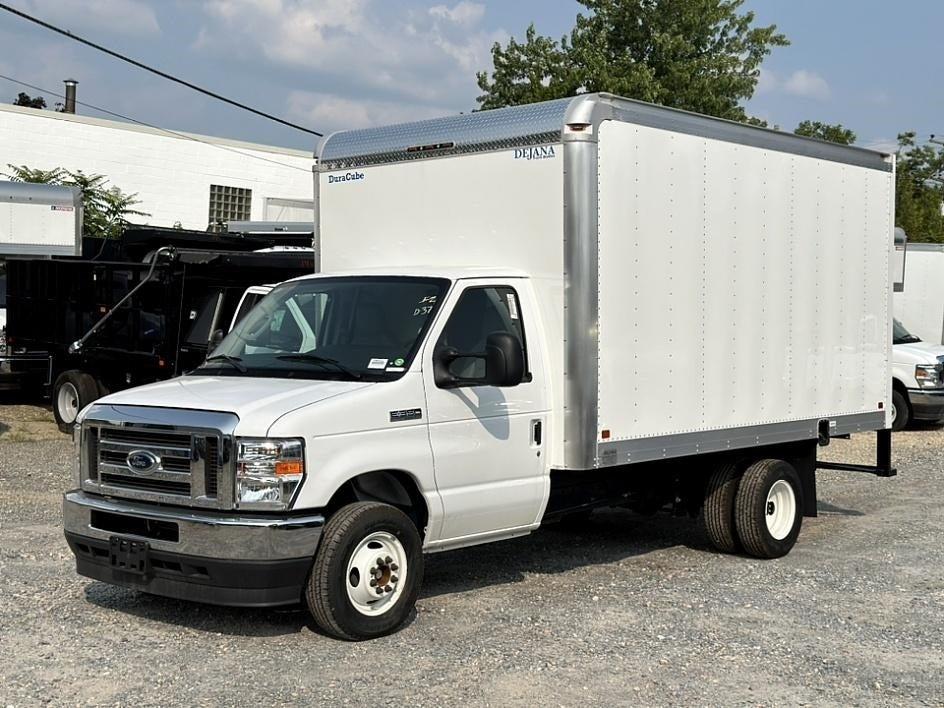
(927, 404)
(200, 533)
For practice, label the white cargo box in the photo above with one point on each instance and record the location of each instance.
(704, 285)
(40, 220)
(919, 306)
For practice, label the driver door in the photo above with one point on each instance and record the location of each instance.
(487, 441)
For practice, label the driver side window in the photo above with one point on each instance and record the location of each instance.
(479, 313)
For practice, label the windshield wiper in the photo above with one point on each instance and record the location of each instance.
(309, 358)
(907, 339)
(233, 361)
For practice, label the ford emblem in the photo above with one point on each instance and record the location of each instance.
(142, 462)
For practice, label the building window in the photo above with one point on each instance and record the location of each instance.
(229, 204)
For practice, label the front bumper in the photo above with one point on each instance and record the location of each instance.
(926, 404)
(206, 556)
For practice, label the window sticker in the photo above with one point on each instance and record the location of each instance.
(396, 369)
(512, 306)
(377, 364)
(399, 361)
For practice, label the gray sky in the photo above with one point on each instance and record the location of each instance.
(330, 64)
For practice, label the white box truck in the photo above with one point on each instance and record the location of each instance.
(519, 315)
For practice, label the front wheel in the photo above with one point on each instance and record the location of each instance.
(901, 413)
(367, 572)
(72, 391)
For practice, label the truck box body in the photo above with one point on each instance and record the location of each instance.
(40, 220)
(920, 304)
(704, 285)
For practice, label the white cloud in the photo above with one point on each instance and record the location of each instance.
(807, 84)
(463, 13)
(394, 58)
(802, 83)
(128, 17)
(330, 112)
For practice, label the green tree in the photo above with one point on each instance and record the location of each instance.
(26, 100)
(700, 55)
(826, 131)
(919, 189)
(105, 209)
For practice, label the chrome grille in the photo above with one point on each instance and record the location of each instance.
(188, 468)
(190, 454)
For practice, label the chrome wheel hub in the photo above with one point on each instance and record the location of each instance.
(375, 573)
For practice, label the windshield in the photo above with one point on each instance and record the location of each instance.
(334, 328)
(900, 335)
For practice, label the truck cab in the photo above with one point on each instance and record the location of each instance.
(918, 379)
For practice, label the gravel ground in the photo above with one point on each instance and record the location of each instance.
(628, 610)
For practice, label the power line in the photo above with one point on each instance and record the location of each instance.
(185, 136)
(158, 72)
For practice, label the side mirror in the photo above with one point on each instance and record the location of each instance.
(504, 360)
(215, 340)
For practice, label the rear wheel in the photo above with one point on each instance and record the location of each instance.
(719, 508)
(769, 508)
(367, 572)
(72, 391)
(901, 413)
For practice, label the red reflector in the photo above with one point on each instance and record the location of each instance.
(881, 405)
(605, 434)
(161, 363)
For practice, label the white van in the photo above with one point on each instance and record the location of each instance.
(918, 379)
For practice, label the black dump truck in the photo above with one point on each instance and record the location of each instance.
(126, 313)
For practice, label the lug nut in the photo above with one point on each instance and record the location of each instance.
(373, 571)
(380, 591)
(394, 579)
(373, 583)
(388, 560)
(388, 589)
(394, 566)
(380, 561)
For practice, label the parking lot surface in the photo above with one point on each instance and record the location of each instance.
(625, 610)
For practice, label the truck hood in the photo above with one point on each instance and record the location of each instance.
(257, 401)
(917, 353)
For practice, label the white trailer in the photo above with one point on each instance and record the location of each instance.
(920, 304)
(522, 314)
(40, 220)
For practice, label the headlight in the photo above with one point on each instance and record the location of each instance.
(268, 471)
(928, 375)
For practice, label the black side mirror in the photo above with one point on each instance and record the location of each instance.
(215, 340)
(504, 360)
(504, 363)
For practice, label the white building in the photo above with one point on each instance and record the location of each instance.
(193, 180)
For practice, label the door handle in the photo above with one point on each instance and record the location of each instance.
(537, 431)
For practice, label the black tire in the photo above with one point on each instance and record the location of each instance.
(326, 590)
(902, 411)
(80, 389)
(752, 509)
(720, 495)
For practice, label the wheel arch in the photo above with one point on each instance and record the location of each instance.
(396, 487)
